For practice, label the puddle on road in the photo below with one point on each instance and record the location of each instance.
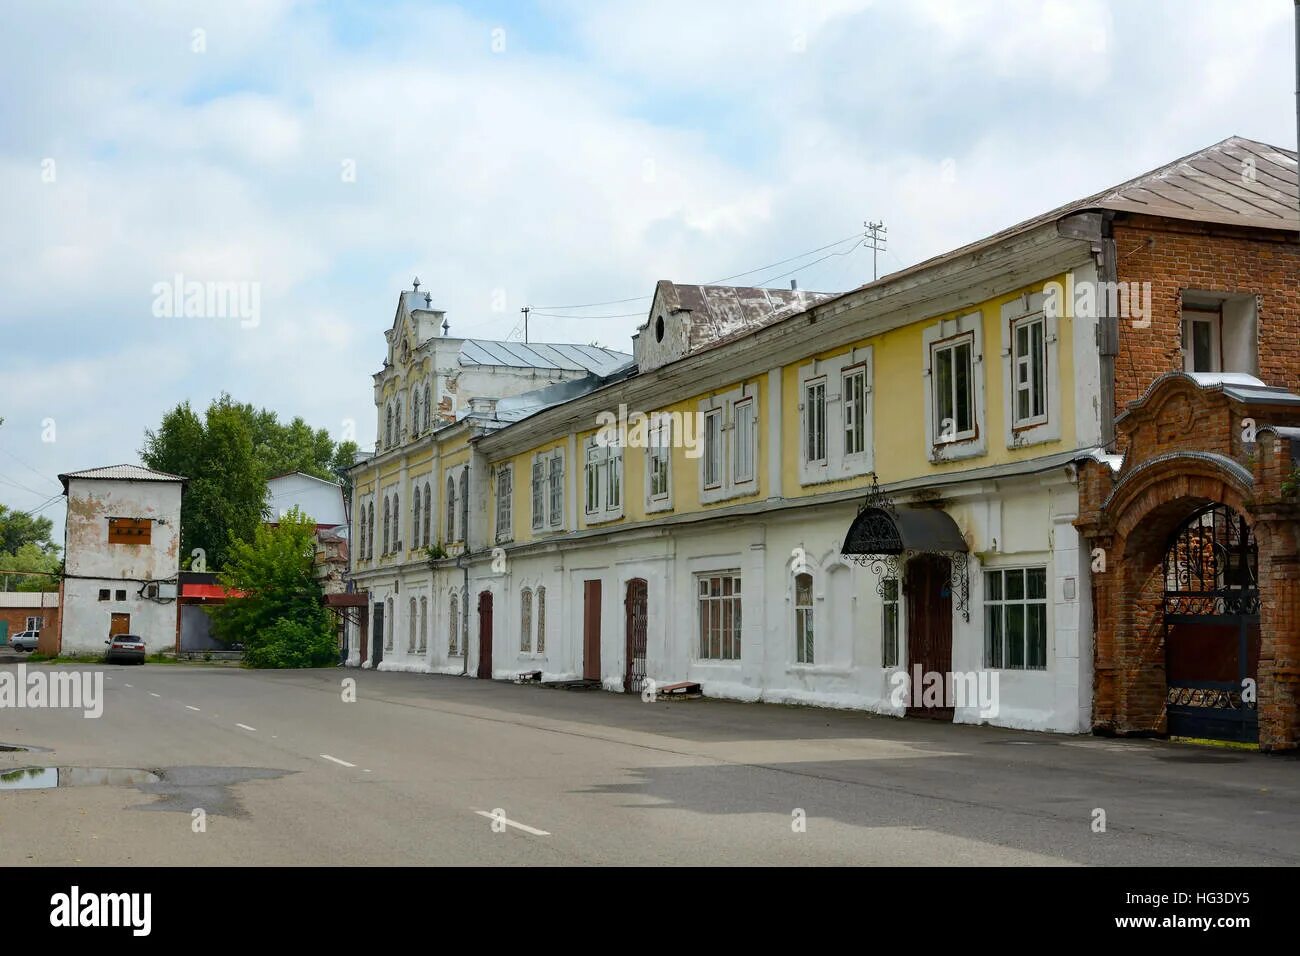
(176, 788)
(47, 778)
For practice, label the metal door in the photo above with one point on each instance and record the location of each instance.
(635, 628)
(119, 623)
(927, 582)
(377, 638)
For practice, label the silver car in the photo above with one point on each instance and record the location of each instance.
(25, 640)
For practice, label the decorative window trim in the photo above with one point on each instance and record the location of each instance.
(805, 621)
(1005, 601)
(723, 407)
(503, 486)
(1028, 308)
(940, 334)
(660, 448)
(834, 372)
(555, 490)
(602, 470)
(730, 646)
(547, 510)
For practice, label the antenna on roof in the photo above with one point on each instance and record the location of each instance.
(525, 310)
(794, 285)
(876, 240)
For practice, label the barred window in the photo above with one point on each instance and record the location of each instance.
(889, 622)
(719, 616)
(803, 618)
(526, 621)
(541, 620)
(453, 626)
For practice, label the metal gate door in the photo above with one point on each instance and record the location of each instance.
(377, 638)
(635, 628)
(1211, 617)
(485, 635)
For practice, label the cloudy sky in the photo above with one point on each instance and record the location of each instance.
(551, 154)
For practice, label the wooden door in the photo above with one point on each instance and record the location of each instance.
(377, 639)
(119, 624)
(485, 635)
(591, 630)
(927, 583)
(635, 629)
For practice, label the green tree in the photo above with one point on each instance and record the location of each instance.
(280, 619)
(18, 528)
(30, 557)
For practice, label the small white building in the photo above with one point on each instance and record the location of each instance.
(319, 499)
(122, 543)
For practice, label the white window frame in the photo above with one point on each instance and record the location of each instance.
(659, 436)
(1046, 428)
(943, 334)
(602, 481)
(555, 489)
(713, 458)
(35, 623)
(733, 642)
(1003, 602)
(744, 441)
(805, 622)
(814, 394)
(835, 374)
(504, 487)
(888, 603)
(540, 491)
(721, 408)
(853, 415)
(1204, 315)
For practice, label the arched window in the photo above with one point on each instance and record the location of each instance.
(803, 618)
(370, 531)
(453, 627)
(388, 520)
(388, 427)
(464, 505)
(428, 406)
(415, 412)
(451, 509)
(541, 620)
(361, 534)
(415, 527)
(397, 525)
(397, 419)
(388, 627)
(410, 640)
(526, 621)
(428, 512)
(424, 624)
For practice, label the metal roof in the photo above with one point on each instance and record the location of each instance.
(120, 473)
(559, 357)
(881, 531)
(721, 312)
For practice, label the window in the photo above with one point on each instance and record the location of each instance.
(954, 396)
(397, 525)
(387, 525)
(539, 493)
(803, 618)
(428, 512)
(659, 456)
(1015, 618)
(1202, 340)
(370, 545)
(397, 421)
(35, 623)
(388, 626)
(526, 621)
(415, 526)
(1029, 368)
(120, 595)
(713, 448)
(103, 594)
(814, 421)
(388, 427)
(464, 503)
(541, 620)
(361, 532)
(719, 614)
(504, 502)
(451, 509)
(855, 411)
(129, 530)
(453, 626)
(742, 449)
(603, 481)
(410, 640)
(889, 622)
(427, 408)
(415, 412)
(424, 624)
(556, 479)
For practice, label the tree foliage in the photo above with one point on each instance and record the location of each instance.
(25, 545)
(228, 455)
(280, 619)
(18, 529)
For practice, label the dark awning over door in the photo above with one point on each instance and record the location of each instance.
(898, 530)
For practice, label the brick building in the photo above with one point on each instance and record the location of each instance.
(1193, 523)
(30, 611)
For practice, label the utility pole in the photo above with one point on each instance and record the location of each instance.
(528, 308)
(876, 239)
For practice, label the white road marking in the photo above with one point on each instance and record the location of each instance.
(152, 694)
(246, 727)
(190, 707)
(130, 685)
(342, 763)
(512, 823)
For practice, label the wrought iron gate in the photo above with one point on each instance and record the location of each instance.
(635, 628)
(1211, 617)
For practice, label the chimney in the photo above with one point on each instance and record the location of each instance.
(794, 285)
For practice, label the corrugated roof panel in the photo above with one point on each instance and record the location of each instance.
(123, 473)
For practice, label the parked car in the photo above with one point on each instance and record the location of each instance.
(25, 640)
(125, 648)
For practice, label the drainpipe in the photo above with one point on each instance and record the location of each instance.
(464, 615)
(1108, 329)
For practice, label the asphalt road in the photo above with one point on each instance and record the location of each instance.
(428, 770)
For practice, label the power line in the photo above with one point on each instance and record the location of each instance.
(38, 473)
(542, 309)
(42, 507)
